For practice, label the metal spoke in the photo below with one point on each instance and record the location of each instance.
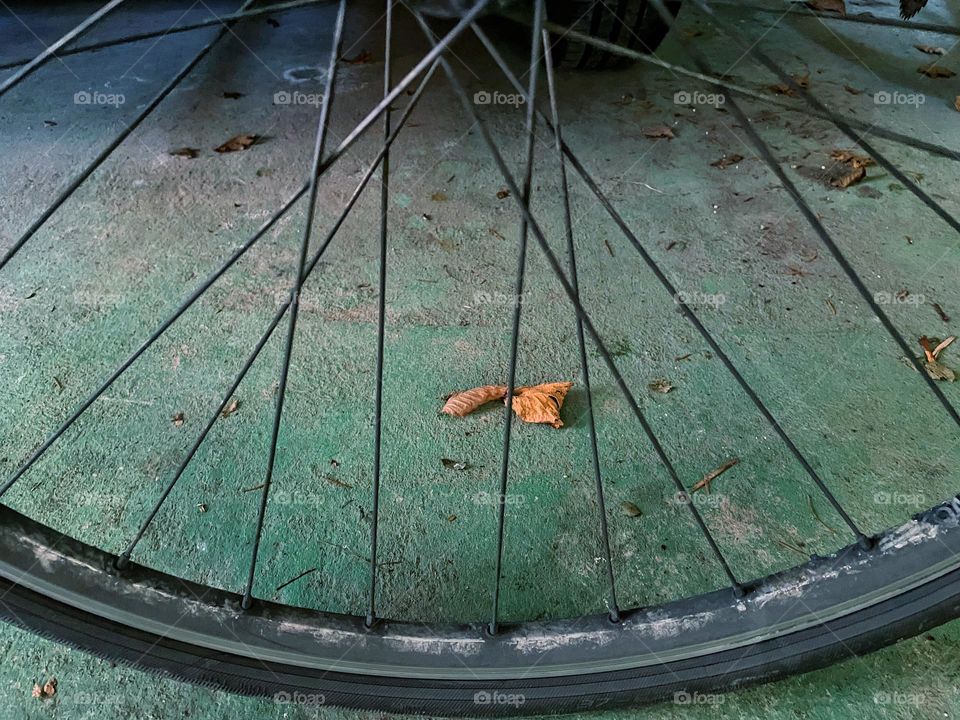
(582, 314)
(281, 311)
(685, 308)
(114, 144)
(126, 39)
(529, 128)
(612, 607)
(381, 317)
(295, 291)
(51, 51)
(731, 88)
(345, 144)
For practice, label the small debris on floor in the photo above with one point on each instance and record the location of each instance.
(454, 464)
(532, 404)
(935, 71)
(940, 311)
(837, 6)
(713, 475)
(231, 408)
(503, 193)
(629, 509)
(186, 152)
(931, 50)
(361, 58)
(202, 507)
(177, 419)
(802, 81)
(439, 196)
(661, 385)
(726, 161)
(232, 95)
(45, 691)
(236, 143)
(931, 350)
(658, 132)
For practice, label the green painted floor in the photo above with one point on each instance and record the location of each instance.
(148, 226)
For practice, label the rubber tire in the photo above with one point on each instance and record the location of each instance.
(634, 24)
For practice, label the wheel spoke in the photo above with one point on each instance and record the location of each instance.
(295, 291)
(381, 315)
(612, 607)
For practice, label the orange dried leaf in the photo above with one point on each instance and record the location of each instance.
(855, 175)
(464, 403)
(238, 142)
(541, 403)
(935, 71)
(658, 131)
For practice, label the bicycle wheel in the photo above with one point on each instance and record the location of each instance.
(213, 621)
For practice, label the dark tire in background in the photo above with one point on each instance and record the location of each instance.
(634, 24)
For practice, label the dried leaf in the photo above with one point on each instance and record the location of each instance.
(177, 419)
(658, 131)
(836, 6)
(231, 408)
(362, 58)
(844, 181)
(50, 687)
(927, 345)
(942, 346)
(501, 194)
(714, 474)
(454, 464)
(37, 691)
(439, 196)
(852, 90)
(931, 50)
(802, 81)
(237, 142)
(541, 403)
(629, 509)
(852, 159)
(185, 152)
(726, 161)
(935, 71)
(938, 371)
(661, 385)
(464, 403)
(451, 518)
(941, 312)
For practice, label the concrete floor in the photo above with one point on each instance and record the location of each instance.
(148, 226)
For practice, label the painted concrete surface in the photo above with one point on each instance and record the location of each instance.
(147, 227)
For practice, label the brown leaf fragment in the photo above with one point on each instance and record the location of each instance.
(939, 371)
(726, 161)
(941, 312)
(941, 346)
(50, 687)
(714, 474)
(361, 58)
(851, 158)
(463, 403)
(935, 71)
(802, 81)
(501, 194)
(231, 408)
(37, 691)
(541, 403)
(927, 345)
(177, 419)
(930, 49)
(629, 509)
(451, 518)
(658, 131)
(237, 142)
(439, 196)
(836, 6)
(186, 152)
(661, 385)
(852, 177)
(852, 90)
